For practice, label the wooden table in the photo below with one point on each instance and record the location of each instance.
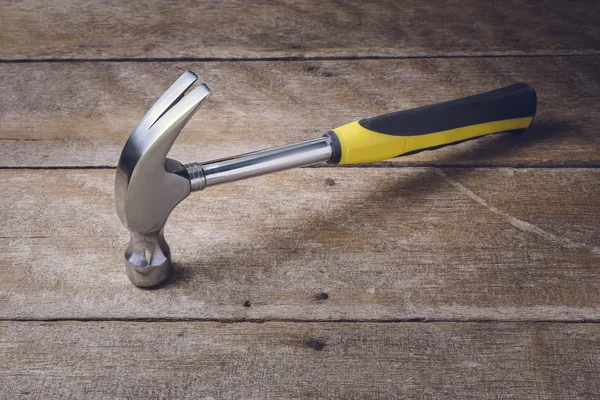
(468, 272)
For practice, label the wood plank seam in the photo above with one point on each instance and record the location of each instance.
(390, 165)
(293, 59)
(311, 321)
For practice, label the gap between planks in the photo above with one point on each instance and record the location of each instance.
(539, 165)
(297, 58)
(308, 321)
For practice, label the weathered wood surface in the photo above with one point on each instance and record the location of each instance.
(80, 114)
(381, 243)
(321, 253)
(186, 360)
(34, 29)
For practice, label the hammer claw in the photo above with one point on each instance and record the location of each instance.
(168, 100)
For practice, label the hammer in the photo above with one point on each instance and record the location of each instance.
(149, 185)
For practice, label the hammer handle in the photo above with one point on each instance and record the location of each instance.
(386, 136)
(409, 131)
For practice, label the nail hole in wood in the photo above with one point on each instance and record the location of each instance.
(322, 296)
(316, 345)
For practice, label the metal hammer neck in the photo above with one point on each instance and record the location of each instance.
(258, 163)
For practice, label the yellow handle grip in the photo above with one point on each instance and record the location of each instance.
(391, 135)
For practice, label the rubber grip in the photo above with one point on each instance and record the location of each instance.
(391, 135)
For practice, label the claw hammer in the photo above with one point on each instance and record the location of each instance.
(149, 185)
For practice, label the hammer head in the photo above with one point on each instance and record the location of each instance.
(148, 185)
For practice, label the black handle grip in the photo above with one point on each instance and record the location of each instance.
(397, 133)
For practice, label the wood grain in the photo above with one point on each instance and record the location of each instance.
(90, 29)
(80, 114)
(299, 360)
(314, 244)
(489, 263)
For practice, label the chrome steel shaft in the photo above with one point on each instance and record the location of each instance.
(258, 163)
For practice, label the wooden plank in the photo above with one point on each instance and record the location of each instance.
(186, 360)
(315, 244)
(33, 29)
(80, 114)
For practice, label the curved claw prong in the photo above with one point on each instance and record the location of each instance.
(171, 122)
(167, 100)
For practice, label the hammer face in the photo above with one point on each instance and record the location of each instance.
(147, 259)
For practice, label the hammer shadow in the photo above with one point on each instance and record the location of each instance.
(180, 276)
(476, 154)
